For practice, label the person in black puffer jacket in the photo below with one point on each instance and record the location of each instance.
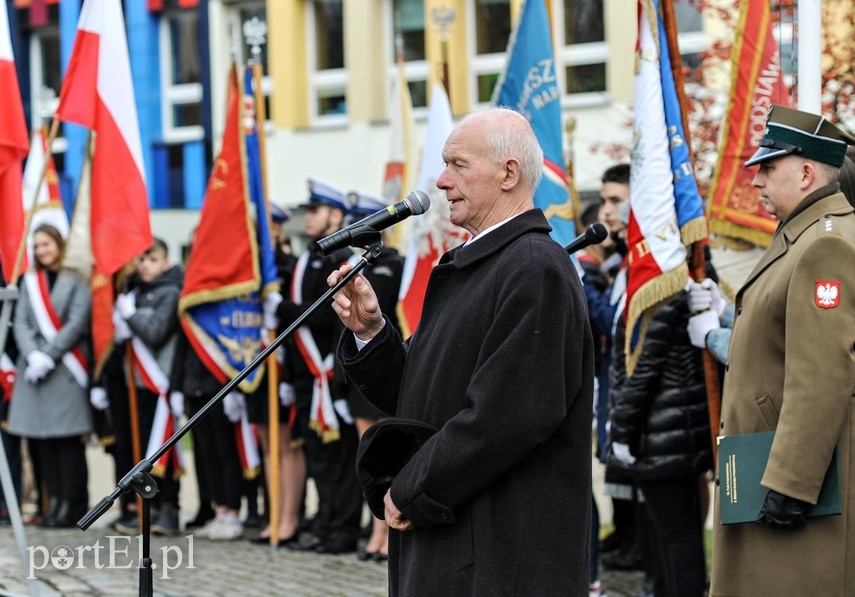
(660, 436)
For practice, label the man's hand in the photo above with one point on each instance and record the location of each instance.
(271, 303)
(121, 329)
(98, 398)
(356, 305)
(700, 325)
(233, 405)
(705, 295)
(126, 305)
(622, 453)
(394, 518)
(781, 511)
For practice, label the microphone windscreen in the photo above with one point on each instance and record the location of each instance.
(418, 202)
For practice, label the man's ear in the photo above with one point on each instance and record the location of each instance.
(336, 218)
(807, 175)
(512, 175)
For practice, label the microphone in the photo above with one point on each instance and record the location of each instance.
(364, 232)
(594, 235)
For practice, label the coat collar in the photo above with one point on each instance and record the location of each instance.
(808, 213)
(532, 220)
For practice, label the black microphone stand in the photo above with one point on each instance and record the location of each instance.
(138, 478)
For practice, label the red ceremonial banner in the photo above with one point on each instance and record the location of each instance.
(757, 84)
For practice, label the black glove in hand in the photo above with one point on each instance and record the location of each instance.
(781, 511)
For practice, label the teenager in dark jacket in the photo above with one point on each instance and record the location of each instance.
(660, 436)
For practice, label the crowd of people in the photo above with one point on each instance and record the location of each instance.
(514, 353)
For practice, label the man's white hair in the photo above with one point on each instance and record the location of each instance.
(518, 142)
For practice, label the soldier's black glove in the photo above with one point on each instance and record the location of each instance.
(781, 511)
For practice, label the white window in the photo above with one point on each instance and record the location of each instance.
(327, 73)
(582, 52)
(407, 37)
(490, 30)
(180, 68)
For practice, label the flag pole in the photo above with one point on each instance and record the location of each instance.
(19, 258)
(699, 270)
(133, 401)
(257, 38)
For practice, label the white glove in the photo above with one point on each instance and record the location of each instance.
(121, 329)
(700, 325)
(343, 409)
(176, 404)
(38, 366)
(98, 398)
(233, 405)
(286, 394)
(622, 454)
(271, 303)
(126, 305)
(705, 295)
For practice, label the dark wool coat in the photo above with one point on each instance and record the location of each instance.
(502, 365)
(660, 411)
(791, 368)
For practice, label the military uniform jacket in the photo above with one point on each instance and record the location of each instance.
(502, 365)
(57, 406)
(791, 368)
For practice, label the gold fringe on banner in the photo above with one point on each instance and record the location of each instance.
(645, 304)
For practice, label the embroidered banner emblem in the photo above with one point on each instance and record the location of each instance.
(827, 294)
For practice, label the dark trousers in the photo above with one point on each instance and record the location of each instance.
(214, 442)
(12, 445)
(62, 464)
(677, 531)
(333, 468)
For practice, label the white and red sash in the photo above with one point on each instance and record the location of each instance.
(247, 447)
(163, 426)
(323, 417)
(49, 324)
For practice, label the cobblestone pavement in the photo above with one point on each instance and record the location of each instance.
(98, 562)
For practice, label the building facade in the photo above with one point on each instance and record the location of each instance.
(328, 66)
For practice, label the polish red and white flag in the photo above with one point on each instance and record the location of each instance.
(98, 93)
(14, 144)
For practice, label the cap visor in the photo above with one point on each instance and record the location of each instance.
(765, 153)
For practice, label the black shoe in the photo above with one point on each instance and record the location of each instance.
(336, 546)
(202, 518)
(380, 557)
(609, 544)
(166, 522)
(253, 521)
(364, 556)
(310, 544)
(621, 560)
(127, 525)
(286, 542)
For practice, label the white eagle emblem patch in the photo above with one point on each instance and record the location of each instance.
(827, 294)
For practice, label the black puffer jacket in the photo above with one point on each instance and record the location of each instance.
(660, 410)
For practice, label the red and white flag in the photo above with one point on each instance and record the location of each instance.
(98, 93)
(432, 234)
(44, 200)
(398, 173)
(14, 143)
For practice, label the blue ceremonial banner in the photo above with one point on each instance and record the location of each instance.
(231, 265)
(687, 198)
(529, 85)
(266, 254)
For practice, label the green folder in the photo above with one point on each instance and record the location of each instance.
(741, 465)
